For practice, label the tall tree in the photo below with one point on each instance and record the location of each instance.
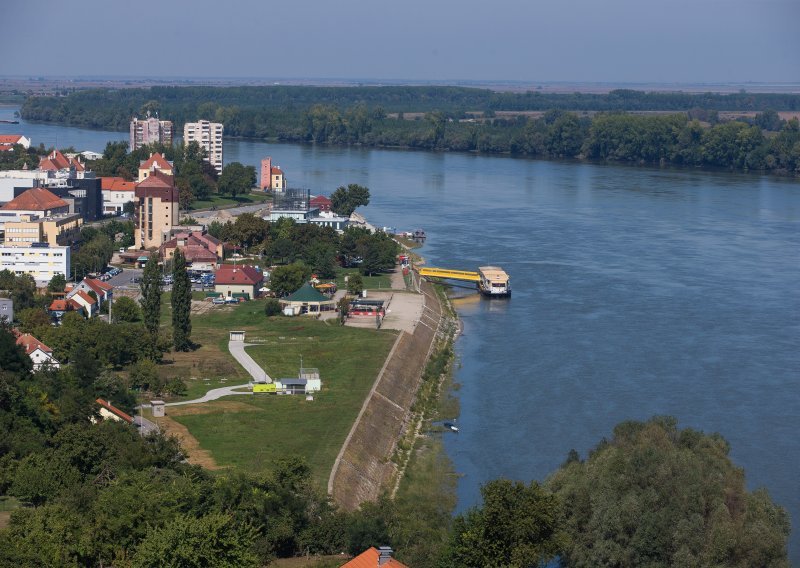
(237, 178)
(345, 200)
(181, 303)
(151, 296)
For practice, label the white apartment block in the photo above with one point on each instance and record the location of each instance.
(39, 260)
(209, 136)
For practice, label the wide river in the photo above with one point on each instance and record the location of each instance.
(637, 292)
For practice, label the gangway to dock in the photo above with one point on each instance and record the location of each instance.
(490, 280)
(464, 275)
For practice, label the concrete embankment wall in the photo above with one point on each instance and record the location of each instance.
(364, 465)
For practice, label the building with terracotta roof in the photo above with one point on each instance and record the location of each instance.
(110, 412)
(272, 177)
(320, 202)
(40, 260)
(374, 558)
(8, 141)
(116, 194)
(157, 209)
(56, 161)
(209, 136)
(103, 291)
(37, 201)
(155, 162)
(149, 131)
(202, 251)
(40, 354)
(237, 281)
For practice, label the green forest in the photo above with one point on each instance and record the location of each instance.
(678, 129)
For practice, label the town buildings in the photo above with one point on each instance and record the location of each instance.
(209, 136)
(272, 178)
(56, 230)
(151, 130)
(40, 354)
(8, 141)
(155, 162)
(40, 260)
(91, 288)
(297, 204)
(157, 209)
(202, 251)
(6, 310)
(116, 194)
(237, 281)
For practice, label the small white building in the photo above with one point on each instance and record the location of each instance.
(40, 354)
(40, 260)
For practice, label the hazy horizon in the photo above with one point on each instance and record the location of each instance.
(577, 41)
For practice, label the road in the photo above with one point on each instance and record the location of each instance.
(237, 350)
(234, 211)
(213, 394)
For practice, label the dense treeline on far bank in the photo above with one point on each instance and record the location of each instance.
(682, 129)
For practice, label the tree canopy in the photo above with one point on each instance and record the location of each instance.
(655, 495)
(345, 200)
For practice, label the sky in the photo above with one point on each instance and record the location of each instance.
(628, 41)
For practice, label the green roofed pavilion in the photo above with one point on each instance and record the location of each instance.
(308, 300)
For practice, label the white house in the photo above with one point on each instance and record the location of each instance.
(39, 260)
(40, 354)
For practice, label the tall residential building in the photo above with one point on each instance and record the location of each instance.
(150, 131)
(209, 136)
(157, 209)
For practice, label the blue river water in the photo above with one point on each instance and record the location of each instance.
(637, 291)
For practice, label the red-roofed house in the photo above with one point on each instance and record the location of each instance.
(56, 161)
(156, 209)
(373, 558)
(202, 251)
(61, 306)
(110, 412)
(237, 281)
(40, 354)
(154, 162)
(7, 141)
(116, 193)
(320, 202)
(87, 303)
(36, 201)
(102, 290)
(272, 178)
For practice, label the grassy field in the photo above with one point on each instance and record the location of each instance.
(220, 201)
(377, 282)
(258, 429)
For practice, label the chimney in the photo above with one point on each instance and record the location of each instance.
(384, 555)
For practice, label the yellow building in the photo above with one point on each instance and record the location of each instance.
(56, 230)
(154, 162)
(157, 209)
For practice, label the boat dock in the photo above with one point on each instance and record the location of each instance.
(490, 280)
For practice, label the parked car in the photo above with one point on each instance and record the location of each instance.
(217, 301)
(231, 300)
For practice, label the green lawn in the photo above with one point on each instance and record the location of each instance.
(220, 201)
(348, 359)
(377, 282)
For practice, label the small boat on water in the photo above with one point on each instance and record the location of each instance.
(450, 426)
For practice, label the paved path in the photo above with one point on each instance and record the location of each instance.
(146, 427)
(237, 350)
(213, 394)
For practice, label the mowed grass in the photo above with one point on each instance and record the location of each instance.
(225, 201)
(348, 359)
(376, 282)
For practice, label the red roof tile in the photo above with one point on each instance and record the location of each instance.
(35, 199)
(98, 285)
(231, 274)
(156, 160)
(59, 306)
(158, 184)
(31, 344)
(10, 138)
(116, 184)
(276, 171)
(85, 297)
(114, 410)
(369, 559)
(53, 162)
